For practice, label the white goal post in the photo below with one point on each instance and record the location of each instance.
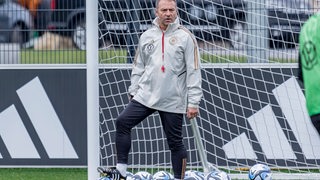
(92, 57)
(253, 109)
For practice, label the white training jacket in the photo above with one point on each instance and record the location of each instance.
(166, 72)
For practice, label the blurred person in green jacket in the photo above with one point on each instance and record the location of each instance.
(309, 66)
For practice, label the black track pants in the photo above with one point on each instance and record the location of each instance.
(132, 115)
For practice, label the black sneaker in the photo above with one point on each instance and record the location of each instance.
(112, 173)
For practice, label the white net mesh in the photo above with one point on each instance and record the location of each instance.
(253, 110)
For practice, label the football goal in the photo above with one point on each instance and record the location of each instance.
(253, 109)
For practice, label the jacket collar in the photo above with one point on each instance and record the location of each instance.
(171, 27)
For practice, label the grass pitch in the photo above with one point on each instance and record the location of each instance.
(73, 56)
(43, 173)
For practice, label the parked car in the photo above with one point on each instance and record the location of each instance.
(68, 18)
(43, 16)
(40, 11)
(16, 23)
(208, 20)
(285, 19)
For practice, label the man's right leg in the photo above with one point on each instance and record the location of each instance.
(132, 115)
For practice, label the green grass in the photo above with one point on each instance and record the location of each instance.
(43, 173)
(116, 56)
(52, 57)
(69, 57)
(209, 58)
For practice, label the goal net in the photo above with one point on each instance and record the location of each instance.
(253, 109)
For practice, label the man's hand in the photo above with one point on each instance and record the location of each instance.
(192, 112)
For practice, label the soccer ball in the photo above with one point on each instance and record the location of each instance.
(142, 175)
(129, 175)
(163, 175)
(193, 175)
(104, 178)
(260, 172)
(217, 175)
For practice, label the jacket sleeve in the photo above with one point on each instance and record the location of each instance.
(193, 64)
(137, 71)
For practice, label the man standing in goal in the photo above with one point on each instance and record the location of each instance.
(166, 78)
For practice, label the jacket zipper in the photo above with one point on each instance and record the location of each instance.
(162, 67)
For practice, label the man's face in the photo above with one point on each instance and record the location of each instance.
(166, 12)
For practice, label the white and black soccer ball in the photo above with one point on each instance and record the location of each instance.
(193, 175)
(129, 175)
(104, 178)
(260, 172)
(217, 175)
(142, 175)
(163, 175)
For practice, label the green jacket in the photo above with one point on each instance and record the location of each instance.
(309, 57)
